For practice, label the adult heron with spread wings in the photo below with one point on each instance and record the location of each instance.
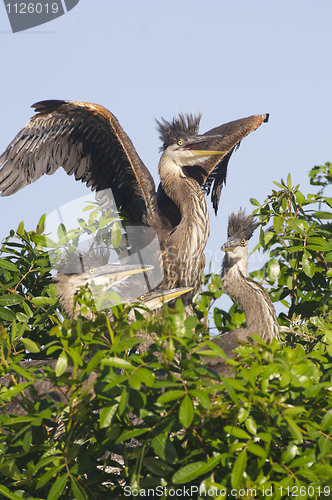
(88, 141)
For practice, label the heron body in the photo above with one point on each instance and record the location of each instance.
(260, 315)
(105, 277)
(88, 141)
(92, 269)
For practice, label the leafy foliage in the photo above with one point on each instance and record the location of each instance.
(116, 422)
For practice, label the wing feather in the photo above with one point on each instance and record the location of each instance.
(227, 138)
(216, 168)
(87, 141)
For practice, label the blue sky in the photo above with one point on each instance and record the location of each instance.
(144, 60)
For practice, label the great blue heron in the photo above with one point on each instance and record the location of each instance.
(88, 141)
(79, 269)
(252, 298)
(152, 301)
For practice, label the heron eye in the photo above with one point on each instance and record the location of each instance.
(243, 242)
(142, 297)
(180, 142)
(91, 271)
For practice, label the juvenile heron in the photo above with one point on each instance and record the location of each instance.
(88, 141)
(260, 315)
(92, 268)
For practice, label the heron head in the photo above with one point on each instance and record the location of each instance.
(235, 248)
(113, 273)
(190, 151)
(181, 143)
(241, 227)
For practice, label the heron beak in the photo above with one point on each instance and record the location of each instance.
(165, 296)
(204, 141)
(126, 272)
(227, 248)
(115, 272)
(196, 152)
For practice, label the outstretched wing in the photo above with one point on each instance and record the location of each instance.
(214, 170)
(87, 141)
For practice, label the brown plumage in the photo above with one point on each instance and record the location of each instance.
(88, 141)
(261, 318)
(110, 284)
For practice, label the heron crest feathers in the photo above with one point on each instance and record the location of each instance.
(241, 225)
(182, 126)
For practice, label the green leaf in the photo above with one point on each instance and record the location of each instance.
(22, 318)
(186, 412)
(88, 207)
(251, 425)
(164, 448)
(236, 431)
(58, 487)
(236, 384)
(273, 269)
(157, 467)
(20, 228)
(300, 199)
(10, 469)
(116, 235)
(238, 469)
(11, 299)
(43, 300)
(146, 376)
(216, 348)
(95, 361)
(7, 314)
(267, 238)
(230, 390)
(107, 414)
(170, 350)
(254, 202)
(62, 231)
(202, 396)
(127, 435)
(192, 471)
(135, 381)
(30, 345)
(44, 241)
(6, 264)
(278, 184)
(61, 364)
(82, 222)
(79, 493)
(298, 225)
(5, 491)
(308, 265)
(294, 429)
(277, 223)
(93, 216)
(14, 390)
(326, 422)
(289, 453)
(323, 215)
(123, 400)
(48, 475)
(118, 362)
(170, 396)
(289, 182)
(256, 449)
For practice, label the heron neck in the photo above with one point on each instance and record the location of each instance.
(184, 247)
(253, 299)
(183, 190)
(236, 260)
